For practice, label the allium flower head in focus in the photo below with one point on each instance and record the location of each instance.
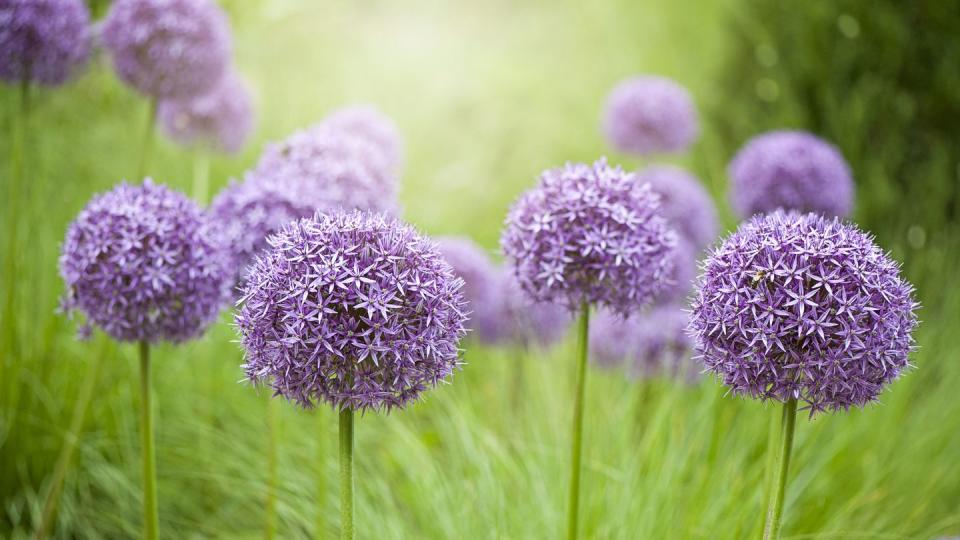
(43, 41)
(220, 119)
(801, 306)
(650, 115)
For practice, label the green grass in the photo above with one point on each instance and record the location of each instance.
(486, 95)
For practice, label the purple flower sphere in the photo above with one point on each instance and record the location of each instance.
(682, 275)
(801, 306)
(481, 283)
(589, 234)
(792, 170)
(647, 345)
(353, 309)
(650, 115)
(141, 263)
(369, 124)
(685, 204)
(524, 322)
(168, 48)
(43, 41)
(220, 119)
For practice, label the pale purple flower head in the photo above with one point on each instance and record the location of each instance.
(220, 119)
(524, 322)
(793, 170)
(685, 204)
(650, 115)
(43, 41)
(481, 284)
(168, 48)
(649, 344)
(142, 264)
(372, 126)
(589, 234)
(683, 272)
(801, 306)
(353, 309)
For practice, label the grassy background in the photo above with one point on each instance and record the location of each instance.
(487, 95)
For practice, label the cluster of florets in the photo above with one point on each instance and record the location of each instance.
(43, 41)
(792, 170)
(684, 203)
(220, 119)
(647, 345)
(589, 234)
(370, 125)
(353, 309)
(141, 263)
(168, 48)
(800, 306)
(481, 284)
(649, 115)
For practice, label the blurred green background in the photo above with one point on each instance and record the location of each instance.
(487, 94)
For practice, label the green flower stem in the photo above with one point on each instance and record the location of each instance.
(271, 503)
(201, 176)
(346, 474)
(150, 517)
(147, 141)
(573, 509)
(775, 500)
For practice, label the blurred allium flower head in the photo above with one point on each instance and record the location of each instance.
(679, 284)
(141, 263)
(589, 233)
(220, 119)
(685, 204)
(353, 309)
(650, 115)
(524, 322)
(481, 284)
(649, 344)
(801, 306)
(793, 170)
(369, 124)
(43, 41)
(168, 48)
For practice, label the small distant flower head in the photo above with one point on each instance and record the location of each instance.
(481, 284)
(44, 41)
(684, 203)
(802, 306)
(650, 115)
(353, 309)
(679, 284)
(524, 322)
(793, 170)
(220, 119)
(168, 48)
(649, 344)
(589, 233)
(369, 124)
(142, 264)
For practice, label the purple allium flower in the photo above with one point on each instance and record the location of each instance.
(589, 234)
(220, 119)
(43, 41)
(793, 170)
(684, 203)
(801, 306)
(649, 344)
(650, 115)
(481, 284)
(368, 123)
(141, 263)
(168, 48)
(682, 275)
(353, 309)
(524, 322)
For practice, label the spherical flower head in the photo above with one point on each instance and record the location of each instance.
(650, 115)
(43, 41)
(522, 321)
(142, 264)
(646, 345)
(481, 284)
(684, 203)
(683, 272)
(220, 119)
(168, 48)
(369, 124)
(801, 306)
(353, 309)
(329, 172)
(792, 170)
(589, 234)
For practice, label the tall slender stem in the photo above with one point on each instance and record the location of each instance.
(322, 488)
(271, 505)
(771, 530)
(201, 176)
(573, 509)
(147, 141)
(346, 474)
(150, 518)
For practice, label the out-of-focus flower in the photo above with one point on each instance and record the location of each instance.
(481, 279)
(220, 119)
(43, 41)
(372, 126)
(525, 322)
(684, 203)
(649, 115)
(650, 344)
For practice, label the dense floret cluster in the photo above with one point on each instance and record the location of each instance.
(43, 41)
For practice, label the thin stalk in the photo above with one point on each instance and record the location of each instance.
(147, 145)
(771, 530)
(14, 198)
(151, 524)
(321, 460)
(271, 504)
(201, 176)
(573, 509)
(346, 474)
